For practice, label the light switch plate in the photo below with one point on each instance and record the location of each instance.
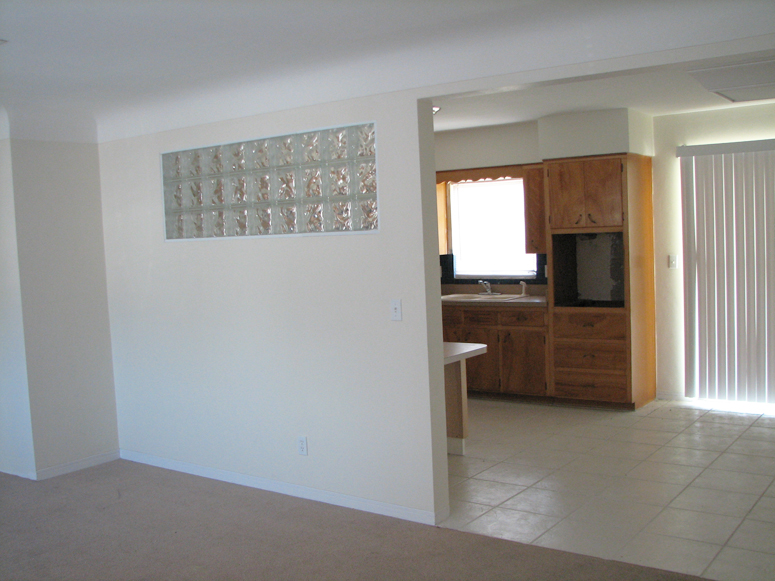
(672, 261)
(395, 310)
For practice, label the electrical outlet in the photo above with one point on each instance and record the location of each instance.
(301, 444)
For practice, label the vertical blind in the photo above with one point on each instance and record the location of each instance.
(729, 276)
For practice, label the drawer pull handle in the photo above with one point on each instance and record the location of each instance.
(580, 217)
(587, 325)
(592, 355)
(591, 219)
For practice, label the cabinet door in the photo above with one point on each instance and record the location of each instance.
(603, 192)
(535, 216)
(566, 194)
(523, 361)
(483, 371)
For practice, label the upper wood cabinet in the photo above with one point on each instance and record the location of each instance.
(535, 214)
(585, 193)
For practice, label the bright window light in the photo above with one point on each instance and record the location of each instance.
(487, 221)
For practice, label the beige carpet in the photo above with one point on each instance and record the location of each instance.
(124, 520)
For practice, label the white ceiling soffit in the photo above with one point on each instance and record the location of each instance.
(742, 82)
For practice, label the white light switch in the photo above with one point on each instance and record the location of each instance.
(395, 310)
(672, 261)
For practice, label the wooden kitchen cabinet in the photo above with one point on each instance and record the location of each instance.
(535, 213)
(515, 362)
(585, 193)
(601, 338)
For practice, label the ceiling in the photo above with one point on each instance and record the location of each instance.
(658, 91)
(86, 61)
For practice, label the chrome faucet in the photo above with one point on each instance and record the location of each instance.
(487, 287)
(524, 288)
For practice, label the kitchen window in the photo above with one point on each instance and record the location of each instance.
(489, 218)
(487, 229)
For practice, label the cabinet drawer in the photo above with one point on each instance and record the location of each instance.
(480, 317)
(577, 384)
(590, 355)
(451, 317)
(590, 326)
(522, 317)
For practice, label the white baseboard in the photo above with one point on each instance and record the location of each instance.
(60, 469)
(344, 500)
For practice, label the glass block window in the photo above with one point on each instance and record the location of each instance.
(306, 183)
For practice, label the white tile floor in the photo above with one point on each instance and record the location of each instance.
(672, 485)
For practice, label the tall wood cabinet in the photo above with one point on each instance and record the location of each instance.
(601, 348)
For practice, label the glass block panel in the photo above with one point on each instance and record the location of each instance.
(312, 182)
(196, 195)
(238, 190)
(340, 180)
(239, 223)
(175, 226)
(287, 189)
(337, 143)
(368, 214)
(173, 196)
(259, 153)
(172, 166)
(213, 160)
(285, 149)
(313, 217)
(286, 219)
(195, 226)
(310, 143)
(260, 221)
(366, 140)
(215, 192)
(342, 216)
(236, 156)
(367, 178)
(216, 219)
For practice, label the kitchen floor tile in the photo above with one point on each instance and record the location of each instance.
(670, 553)
(733, 564)
(515, 525)
(461, 513)
(731, 418)
(631, 450)
(566, 443)
(753, 447)
(704, 427)
(579, 537)
(546, 502)
(755, 535)
(693, 525)
(602, 465)
(642, 491)
(484, 491)
(715, 501)
(764, 509)
(765, 422)
(466, 466)
(758, 433)
(684, 456)
(745, 463)
(702, 442)
(733, 481)
(663, 472)
(630, 516)
(514, 474)
(549, 459)
(644, 436)
(576, 482)
(663, 424)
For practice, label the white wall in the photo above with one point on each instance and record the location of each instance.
(64, 304)
(16, 450)
(513, 143)
(227, 350)
(748, 123)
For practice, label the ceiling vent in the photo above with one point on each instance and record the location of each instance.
(738, 83)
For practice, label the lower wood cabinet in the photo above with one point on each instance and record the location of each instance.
(590, 355)
(515, 361)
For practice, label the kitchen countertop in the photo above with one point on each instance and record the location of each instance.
(490, 300)
(459, 351)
